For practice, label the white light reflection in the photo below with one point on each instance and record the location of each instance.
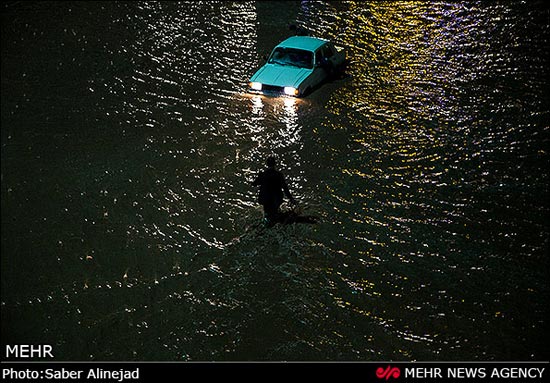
(257, 105)
(274, 125)
(290, 118)
(290, 105)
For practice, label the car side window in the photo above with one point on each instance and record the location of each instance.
(318, 57)
(323, 54)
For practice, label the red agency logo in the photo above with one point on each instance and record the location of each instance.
(389, 372)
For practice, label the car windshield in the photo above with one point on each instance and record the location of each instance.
(290, 56)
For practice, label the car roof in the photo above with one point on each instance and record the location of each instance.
(302, 42)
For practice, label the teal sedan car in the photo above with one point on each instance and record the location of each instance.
(296, 66)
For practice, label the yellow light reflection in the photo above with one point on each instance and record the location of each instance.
(399, 98)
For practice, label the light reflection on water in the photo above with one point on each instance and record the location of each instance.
(426, 166)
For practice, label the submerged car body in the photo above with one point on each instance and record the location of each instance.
(297, 66)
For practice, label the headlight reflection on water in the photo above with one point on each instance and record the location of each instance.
(282, 109)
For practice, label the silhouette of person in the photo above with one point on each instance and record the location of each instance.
(272, 185)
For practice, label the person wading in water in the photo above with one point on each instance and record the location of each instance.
(272, 185)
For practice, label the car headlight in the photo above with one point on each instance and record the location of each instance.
(255, 85)
(291, 91)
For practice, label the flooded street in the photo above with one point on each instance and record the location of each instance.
(131, 231)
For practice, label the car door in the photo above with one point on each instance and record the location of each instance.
(333, 55)
(319, 68)
(331, 59)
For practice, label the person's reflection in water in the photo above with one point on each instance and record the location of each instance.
(272, 185)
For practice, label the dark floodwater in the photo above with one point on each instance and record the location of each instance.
(130, 231)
